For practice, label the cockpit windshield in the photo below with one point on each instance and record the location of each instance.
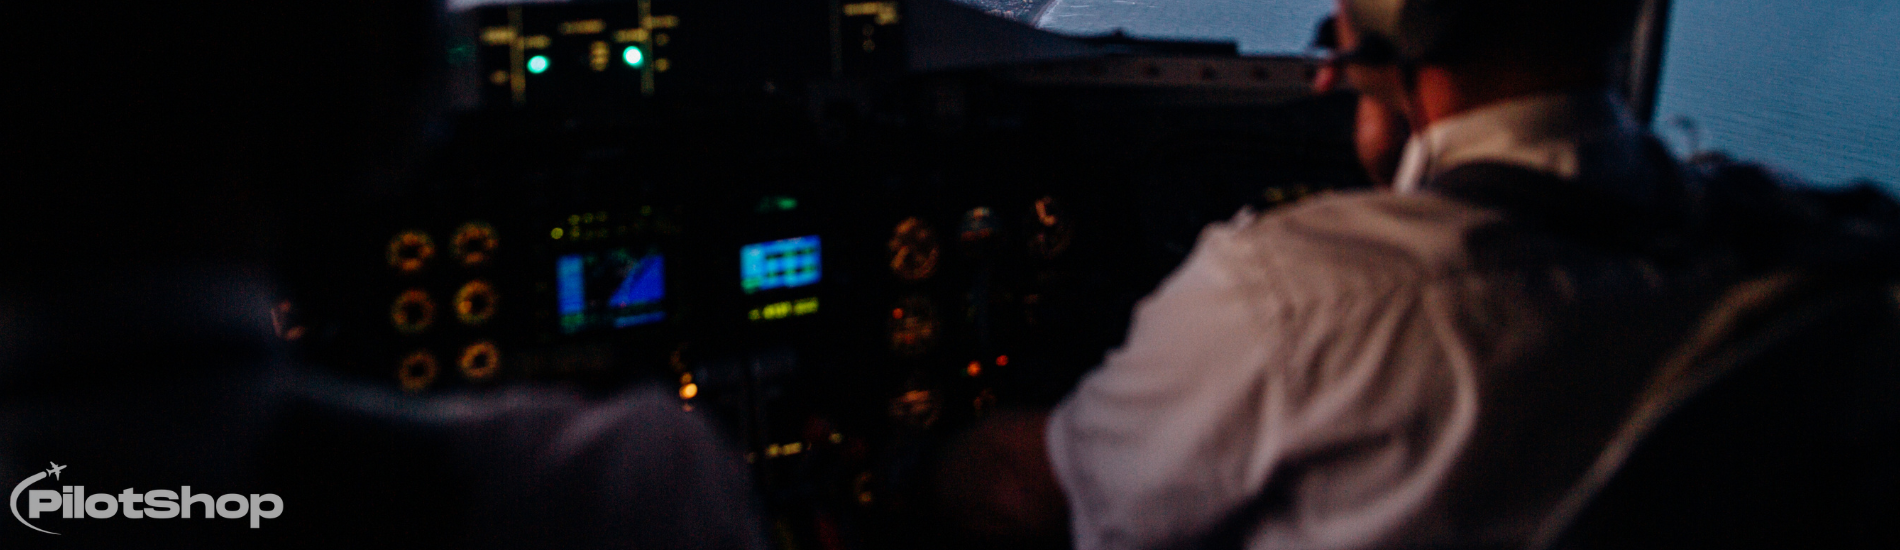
(1806, 87)
(1809, 87)
(1256, 26)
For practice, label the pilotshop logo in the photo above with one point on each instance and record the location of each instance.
(73, 502)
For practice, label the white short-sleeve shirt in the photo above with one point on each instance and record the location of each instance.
(1341, 374)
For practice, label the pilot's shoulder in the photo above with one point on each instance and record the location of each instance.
(1417, 235)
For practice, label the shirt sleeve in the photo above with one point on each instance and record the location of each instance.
(1223, 381)
(1138, 447)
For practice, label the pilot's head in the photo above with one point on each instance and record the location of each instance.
(1379, 131)
(1494, 48)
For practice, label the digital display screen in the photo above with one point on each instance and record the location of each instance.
(787, 263)
(609, 289)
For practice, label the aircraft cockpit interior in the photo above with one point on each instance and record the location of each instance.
(841, 229)
(845, 230)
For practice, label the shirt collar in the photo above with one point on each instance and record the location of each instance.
(1563, 133)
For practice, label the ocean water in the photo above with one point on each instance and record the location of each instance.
(1812, 87)
(1809, 86)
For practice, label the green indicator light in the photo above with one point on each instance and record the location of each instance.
(633, 56)
(787, 203)
(538, 64)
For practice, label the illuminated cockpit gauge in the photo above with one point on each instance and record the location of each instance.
(914, 250)
(417, 371)
(475, 303)
(984, 402)
(474, 243)
(1050, 230)
(979, 224)
(917, 408)
(284, 320)
(914, 326)
(413, 312)
(480, 361)
(409, 251)
(614, 288)
(688, 388)
(862, 486)
(785, 263)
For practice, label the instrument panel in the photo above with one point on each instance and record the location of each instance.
(839, 260)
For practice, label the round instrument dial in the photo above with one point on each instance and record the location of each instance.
(914, 250)
(413, 312)
(409, 251)
(914, 326)
(917, 408)
(475, 303)
(474, 243)
(417, 371)
(1050, 231)
(284, 320)
(979, 224)
(984, 402)
(480, 361)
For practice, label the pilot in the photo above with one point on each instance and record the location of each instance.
(1378, 132)
(1423, 366)
(141, 217)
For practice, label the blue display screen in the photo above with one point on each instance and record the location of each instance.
(615, 288)
(786, 263)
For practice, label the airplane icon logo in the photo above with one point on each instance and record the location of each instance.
(13, 500)
(67, 503)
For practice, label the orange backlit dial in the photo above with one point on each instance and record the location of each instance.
(409, 251)
(918, 408)
(913, 327)
(480, 361)
(474, 243)
(475, 303)
(985, 401)
(283, 319)
(979, 224)
(413, 312)
(914, 250)
(417, 371)
(1050, 231)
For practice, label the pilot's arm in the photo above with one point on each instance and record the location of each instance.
(1261, 367)
(1146, 425)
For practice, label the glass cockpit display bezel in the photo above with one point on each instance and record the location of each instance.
(782, 264)
(612, 288)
